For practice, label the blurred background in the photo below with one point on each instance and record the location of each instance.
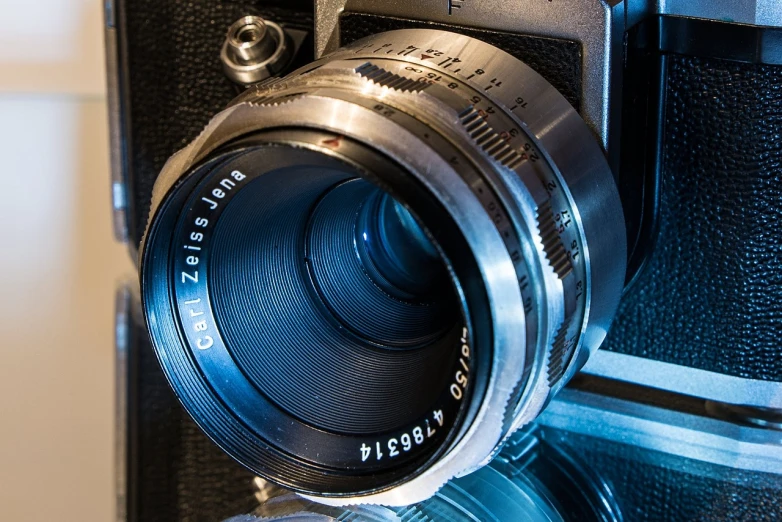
(58, 265)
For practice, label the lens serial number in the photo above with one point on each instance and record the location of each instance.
(405, 442)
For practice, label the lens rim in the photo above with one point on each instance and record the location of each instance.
(219, 421)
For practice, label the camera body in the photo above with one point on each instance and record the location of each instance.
(685, 99)
(686, 108)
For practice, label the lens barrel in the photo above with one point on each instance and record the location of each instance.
(361, 278)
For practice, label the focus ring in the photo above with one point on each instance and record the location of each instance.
(552, 244)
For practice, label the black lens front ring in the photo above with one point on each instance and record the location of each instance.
(221, 423)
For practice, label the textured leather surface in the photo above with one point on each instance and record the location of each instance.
(177, 472)
(657, 487)
(711, 295)
(558, 61)
(175, 78)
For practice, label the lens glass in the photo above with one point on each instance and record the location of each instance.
(333, 301)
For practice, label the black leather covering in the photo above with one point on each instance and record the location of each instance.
(175, 80)
(711, 295)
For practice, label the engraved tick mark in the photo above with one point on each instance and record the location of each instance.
(334, 142)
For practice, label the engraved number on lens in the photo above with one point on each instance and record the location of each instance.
(462, 375)
(405, 442)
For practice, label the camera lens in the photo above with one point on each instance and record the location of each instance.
(360, 279)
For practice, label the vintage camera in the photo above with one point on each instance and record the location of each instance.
(362, 277)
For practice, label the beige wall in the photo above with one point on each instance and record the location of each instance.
(58, 265)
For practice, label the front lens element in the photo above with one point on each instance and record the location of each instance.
(372, 274)
(395, 249)
(304, 319)
(293, 330)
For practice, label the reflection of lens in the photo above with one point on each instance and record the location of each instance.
(532, 480)
(360, 279)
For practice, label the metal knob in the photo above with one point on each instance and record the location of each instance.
(254, 50)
